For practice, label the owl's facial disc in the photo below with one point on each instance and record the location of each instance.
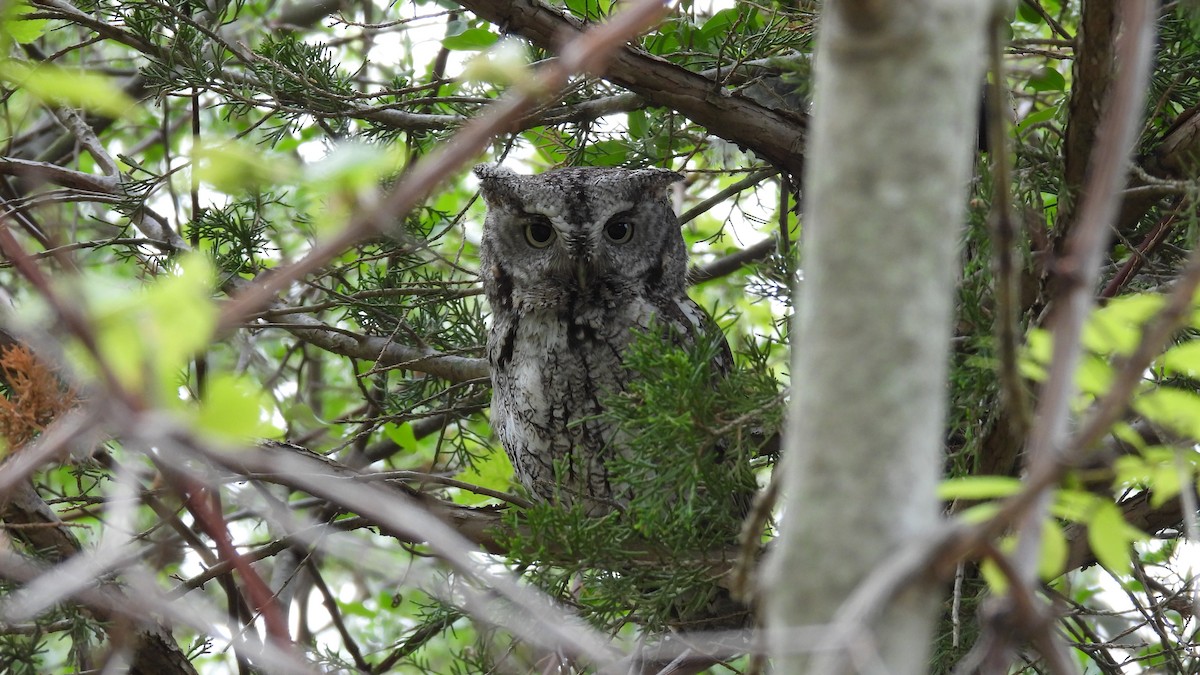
(583, 245)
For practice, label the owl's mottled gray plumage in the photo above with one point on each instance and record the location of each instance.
(573, 261)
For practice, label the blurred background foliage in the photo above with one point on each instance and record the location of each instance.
(248, 130)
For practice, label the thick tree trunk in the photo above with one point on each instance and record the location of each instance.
(897, 92)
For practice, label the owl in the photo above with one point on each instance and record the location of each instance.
(574, 262)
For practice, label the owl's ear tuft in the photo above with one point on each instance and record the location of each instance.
(492, 172)
(654, 180)
(494, 183)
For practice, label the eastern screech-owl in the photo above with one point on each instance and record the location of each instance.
(573, 261)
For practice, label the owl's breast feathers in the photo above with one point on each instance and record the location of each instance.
(553, 363)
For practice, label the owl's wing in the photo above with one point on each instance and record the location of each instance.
(697, 329)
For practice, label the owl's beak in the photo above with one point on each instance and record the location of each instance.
(579, 254)
(583, 273)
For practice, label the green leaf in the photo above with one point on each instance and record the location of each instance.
(356, 166)
(980, 512)
(237, 168)
(1049, 206)
(1039, 346)
(996, 580)
(1116, 328)
(1166, 481)
(1130, 471)
(456, 27)
(1127, 434)
(470, 40)
(346, 178)
(1182, 359)
(1053, 560)
(720, 23)
(1076, 506)
(1094, 376)
(402, 435)
(663, 43)
(1161, 469)
(183, 309)
(1176, 409)
(550, 144)
(1032, 370)
(358, 609)
(301, 418)
(637, 124)
(70, 87)
(612, 152)
(1047, 79)
(123, 350)
(494, 472)
(593, 10)
(157, 330)
(236, 410)
(1110, 538)
(1033, 118)
(507, 63)
(22, 30)
(1027, 14)
(978, 487)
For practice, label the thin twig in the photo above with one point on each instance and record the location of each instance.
(331, 606)
(1080, 269)
(1050, 21)
(743, 184)
(732, 262)
(1004, 238)
(1187, 496)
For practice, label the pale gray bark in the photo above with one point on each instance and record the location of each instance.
(897, 92)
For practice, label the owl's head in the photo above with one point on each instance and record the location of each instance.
(582, 229)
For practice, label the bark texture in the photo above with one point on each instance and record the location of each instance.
(894, 129)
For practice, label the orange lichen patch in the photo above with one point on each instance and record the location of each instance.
(35, 396)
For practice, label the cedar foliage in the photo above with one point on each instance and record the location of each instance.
(35, 397)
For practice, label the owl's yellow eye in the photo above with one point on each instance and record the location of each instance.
(618, 231)
(538, 232)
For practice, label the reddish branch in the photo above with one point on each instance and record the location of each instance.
(205, 507)
(1137, 257)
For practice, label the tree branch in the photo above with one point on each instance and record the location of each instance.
(1174, 158)
(1092, 76)
(873, 322)
(732, 262)
(58, 175)
(384, 351)
(774, 137)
